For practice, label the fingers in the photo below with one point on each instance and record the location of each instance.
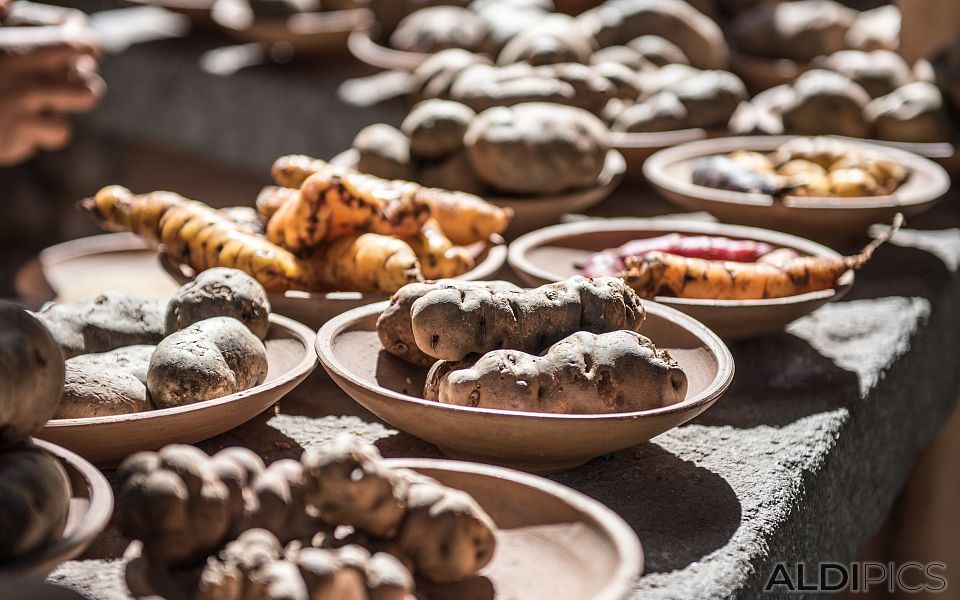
(50, 132)
(61, 97)
(56, 57)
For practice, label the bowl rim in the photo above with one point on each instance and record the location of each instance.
(306, 364)
(624, 538)
(655, 170)
(519, 248)
(709, 340)
(95, 520)
(367, 50)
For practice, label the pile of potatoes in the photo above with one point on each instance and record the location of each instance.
(858, 94)
(819, 167)
(571, 347)
(127, 353)
(526, 150)
(35, 489)
(802, 30)
(337, 523)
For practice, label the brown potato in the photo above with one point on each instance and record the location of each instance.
(383, 151)
(827, 102)
(220, 292)
(912, 113)
(800, 30)
(552, 39)
(435, 128)
(435, 75)
(109, 383)
(658, 51)
(662, 112)
(878, 72)
(438, 28)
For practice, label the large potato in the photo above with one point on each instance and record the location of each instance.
(553, 39)
(483, 86)
(912, 113)
(439, 28)
(110, 383)
(826, 102)
(105, 322)
(617, 22)
(709, 97)
(536, 148)
(878, 72)
(220, 292)
(798, 30)
(209, 359)
(31, 369)
(436, 127)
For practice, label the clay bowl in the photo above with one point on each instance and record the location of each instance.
(316, 33)
(556, 253)
(106, 441)
(760, 73)
(831, 220)
(351, 352)
(531, 212)
(90, 510)
(364, 48)
(552, 542)
(90, 265)
(316, 308)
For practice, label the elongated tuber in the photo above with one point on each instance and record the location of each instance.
(197, 235)
(366, 262)
(619, 371)
(454, 321)
(439, 258)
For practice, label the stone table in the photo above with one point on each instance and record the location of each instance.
(799, 461)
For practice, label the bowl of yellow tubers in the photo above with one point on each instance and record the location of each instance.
(824, 188)
(90, 507)
(602, 247)
(678, 375)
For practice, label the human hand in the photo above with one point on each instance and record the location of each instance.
(46, 72)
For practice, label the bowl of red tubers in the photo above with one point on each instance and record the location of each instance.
(824, 188)
(736, 280)
(540, 379)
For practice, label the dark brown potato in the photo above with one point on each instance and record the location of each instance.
(453, 172)
(826, 102)
(662, 112)
(912, 113)
(220, 292)
(709, 97)
(537, 148)
(878, 72)
(438, 28)
(800, 30)
(553, 39)
(875, 29)
(281, 9)
(435, 75)
(105, 322)
(384, 151)
(623, 55)
(658, 51)
(436, 127)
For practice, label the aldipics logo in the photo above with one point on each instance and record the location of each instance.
(858, 577)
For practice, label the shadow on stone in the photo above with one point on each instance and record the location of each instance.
(680, 511)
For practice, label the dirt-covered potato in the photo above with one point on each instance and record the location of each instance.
(34, 500)
(105, 322)
(799, 30)
(439, 28)
(536, 148)
(709, 97)
(911, 113)
(435, 75)
(875, 29)
(591, 91)
(585, 373)
(483, 86)
(452, 172)
(658, 51)
(108, 383)
(657, 80)
(661, 112)
(826, 102)
(32, 372)
(436, 127)
(383, 151)
(552, 39)
(504, 20)
(220, 292)
(878, 72)
(697, 35)
(626, 85)
(209, 359)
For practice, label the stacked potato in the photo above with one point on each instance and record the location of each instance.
(528, 149)
(35, 490)
(338, 523)
(128, 353)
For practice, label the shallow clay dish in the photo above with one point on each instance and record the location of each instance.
(316, 308)
(90, 508)
(106, 441)
(531, 212)
(365, 49)
(825, 219)
(323, 32)
(552, 542)
(556, 253)
(351, 352)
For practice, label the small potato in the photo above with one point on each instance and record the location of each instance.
(654, 82)
(436, 74)
(662, 112)
(658, 51)
(805, 178)
(110, 383)
(912, 113)
(591, 91)
(853, 183)
(505, 20)
(209, 359)
(439, 28)
(105, 322)
(875, 29)
(220, 292)
(624, 80)
(878, 72)
(436, 127)
(710, 97)
(888, 174)
(800, 166)
(623, 55)
(553, 39)
(482, 86)
(383, 151)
